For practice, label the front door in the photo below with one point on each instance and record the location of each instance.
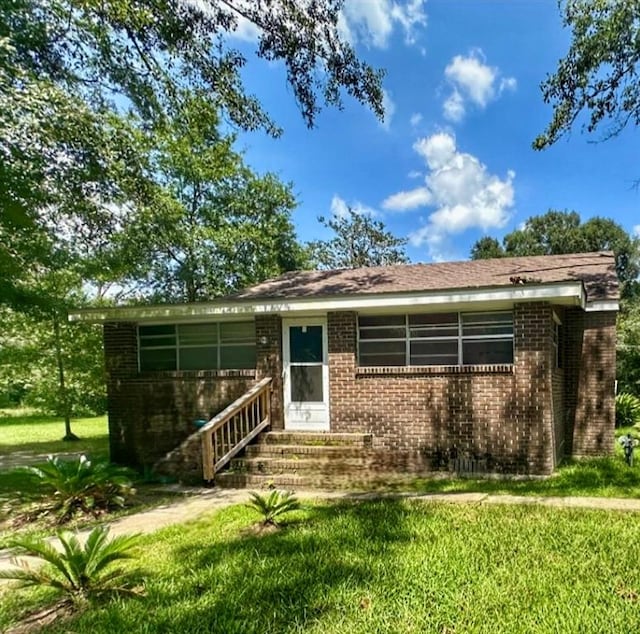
(306, 374)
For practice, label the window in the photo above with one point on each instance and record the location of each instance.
(213, 346)
(436, 339)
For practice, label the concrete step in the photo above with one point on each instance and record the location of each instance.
(326, 439)
(266, 450)
(277, 466)
(232, 480)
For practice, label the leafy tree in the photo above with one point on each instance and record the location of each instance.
(216, 226)
(628, 349)
(359, 241)
(599, 73)
(557, 232)
(486, 248)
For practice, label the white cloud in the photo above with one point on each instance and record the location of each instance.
(473, 81)
(437, 150)
(453, 107)
(246, 31)
(415, 119)
(414, 174)
(404, 201)
(340, 208)
(389, 110)
(372, 22)
(508, 83)
(636, 231)
(462, 191)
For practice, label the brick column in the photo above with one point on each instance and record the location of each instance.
(590, 381)
(531, 441)
(269, 362)
(121, 360)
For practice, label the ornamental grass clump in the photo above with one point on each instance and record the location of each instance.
(81, 486)
(273, 506)
(80, 572)
(627, 410)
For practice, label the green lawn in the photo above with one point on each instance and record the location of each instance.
(595, 477)
(24, 431)
(383, 566)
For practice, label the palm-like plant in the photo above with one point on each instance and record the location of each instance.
(80, 571)
(82, 485)
(273, 506)
(627, 409)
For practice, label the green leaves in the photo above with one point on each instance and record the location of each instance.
(273, 506)
(216, 226)
(358, 241)
(599, 74)
(557, 232)
(80, 571)
(627, 410)
(82, 485)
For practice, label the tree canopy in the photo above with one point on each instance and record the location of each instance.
(599, 73)
(557, 232)
(86, 86)
(358, 241)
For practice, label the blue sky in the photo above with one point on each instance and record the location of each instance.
(453, 160)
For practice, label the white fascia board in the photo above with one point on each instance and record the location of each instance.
(602, 306)
(570, 293)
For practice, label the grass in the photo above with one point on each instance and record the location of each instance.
(594, 477)
(23, 431)
(29, 435)
(380, 566)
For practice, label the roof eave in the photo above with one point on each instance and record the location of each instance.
(567, 293)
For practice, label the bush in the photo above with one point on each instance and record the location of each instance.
(82, 486)
(81, 572)
(627, 410)
(274, 506)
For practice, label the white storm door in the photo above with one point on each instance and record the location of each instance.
(306, 374)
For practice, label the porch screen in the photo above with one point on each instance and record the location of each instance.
(435, 339)
(211, 346)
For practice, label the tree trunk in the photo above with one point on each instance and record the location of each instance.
(64, 399)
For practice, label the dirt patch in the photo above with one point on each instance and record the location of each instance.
(43, 617)
(260, 529)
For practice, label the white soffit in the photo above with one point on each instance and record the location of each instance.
(568, 294)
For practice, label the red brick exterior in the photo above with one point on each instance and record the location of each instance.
(505, 415)
(590, 382)
(516, 418)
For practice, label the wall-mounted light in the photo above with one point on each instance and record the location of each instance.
(263, 340)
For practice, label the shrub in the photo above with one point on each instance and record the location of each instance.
(627, 410)
(82, 485)
(80, 572)
(275, 505)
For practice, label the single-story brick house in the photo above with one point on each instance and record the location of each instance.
(508, 361)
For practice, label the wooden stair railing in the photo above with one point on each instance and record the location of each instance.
(230, 431)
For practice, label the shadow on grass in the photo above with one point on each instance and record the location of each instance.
(97, 446)
(277, 582)
(288, 592)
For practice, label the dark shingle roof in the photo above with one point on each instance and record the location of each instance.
(596, 271)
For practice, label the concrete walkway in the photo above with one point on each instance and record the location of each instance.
(205, 500)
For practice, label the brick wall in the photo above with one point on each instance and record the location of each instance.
(502, 414)
(269, 362)
(590, 380)
(151, 413)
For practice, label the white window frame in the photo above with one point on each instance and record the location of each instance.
(460, 337)
(178, 346)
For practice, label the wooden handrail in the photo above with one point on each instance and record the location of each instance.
(230, 431)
